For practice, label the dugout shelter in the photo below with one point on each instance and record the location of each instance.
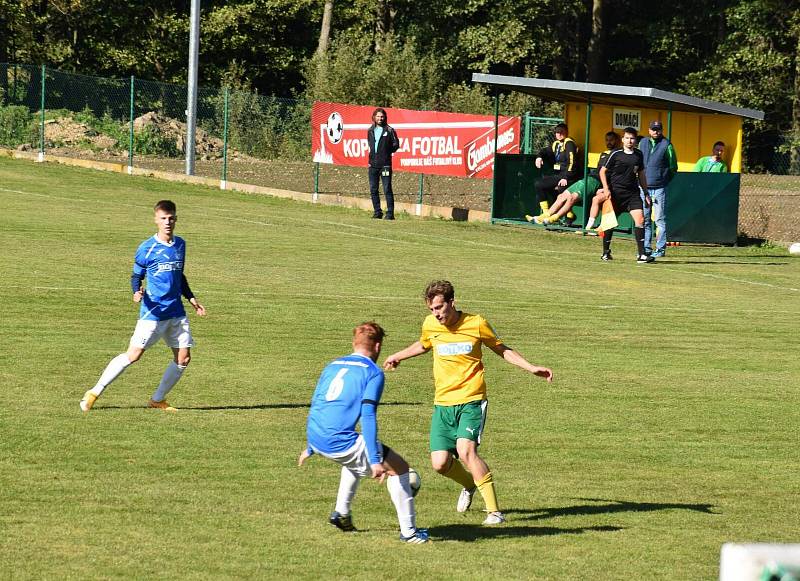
(701, 207)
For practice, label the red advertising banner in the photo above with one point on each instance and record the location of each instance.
(431, 142)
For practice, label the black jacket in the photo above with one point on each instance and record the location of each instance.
(563, 155)
(381, 155)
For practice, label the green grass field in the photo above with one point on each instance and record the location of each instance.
(670, 429)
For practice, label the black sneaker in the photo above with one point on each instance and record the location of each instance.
(606, 256)
(645, 259)
(377, 215)
(342, 522)
(389, 217)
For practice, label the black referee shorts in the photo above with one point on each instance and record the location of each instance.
(625, 201)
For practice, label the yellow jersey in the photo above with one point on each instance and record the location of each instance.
(457, 365)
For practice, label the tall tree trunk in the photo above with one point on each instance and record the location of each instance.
(384, 22)
(596, 51)
(325, 29)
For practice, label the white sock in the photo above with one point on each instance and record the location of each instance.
(172, 374)
(113, 370)
(590, 223)
(400, 491)
(348, 484)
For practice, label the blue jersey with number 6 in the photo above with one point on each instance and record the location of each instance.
(349, 389)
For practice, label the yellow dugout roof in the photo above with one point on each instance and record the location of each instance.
(619, 95)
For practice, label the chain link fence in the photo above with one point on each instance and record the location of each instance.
(254, 139)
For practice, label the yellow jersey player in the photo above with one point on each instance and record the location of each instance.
(460, 403)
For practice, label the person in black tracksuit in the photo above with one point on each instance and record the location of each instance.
(383, 142)
(568, 167)
(623, 177)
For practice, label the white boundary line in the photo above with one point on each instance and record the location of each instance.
(558, 254)
(395, 299)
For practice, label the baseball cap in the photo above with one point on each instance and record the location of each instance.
(656, 124)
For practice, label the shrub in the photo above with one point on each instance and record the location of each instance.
(16, 126)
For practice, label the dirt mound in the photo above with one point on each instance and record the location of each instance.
(67, 132)
(206, 146)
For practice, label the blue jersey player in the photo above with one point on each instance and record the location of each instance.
(159, 260)
(349, 390)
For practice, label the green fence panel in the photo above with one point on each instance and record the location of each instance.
(514, 196)
(703, 208)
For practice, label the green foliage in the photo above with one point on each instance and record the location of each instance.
(420, 54)
(17, 125)
(264, 127)
(152, 141)
(397, 76)
(105, 125)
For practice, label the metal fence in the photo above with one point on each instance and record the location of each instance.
(261, 140)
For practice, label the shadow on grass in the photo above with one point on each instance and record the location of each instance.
(261, 406)
(476, 532)
(731, 262)
(608, 507)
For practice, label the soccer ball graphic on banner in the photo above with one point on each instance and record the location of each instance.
(335, 128)
(414, 481)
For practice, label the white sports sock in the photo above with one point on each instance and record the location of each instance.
(400, 491)
(113, 370)
(348, 484)
(589, 223)
(172, 374)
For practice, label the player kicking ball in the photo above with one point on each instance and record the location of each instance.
(460, 404)
(159, 259)
(348, 390)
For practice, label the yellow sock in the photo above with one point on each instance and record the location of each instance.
(545, 206)
(486, 488)
(570, 215)
(460, 474)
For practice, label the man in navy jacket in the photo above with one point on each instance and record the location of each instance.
(660, 166)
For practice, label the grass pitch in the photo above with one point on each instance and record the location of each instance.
(670, 429)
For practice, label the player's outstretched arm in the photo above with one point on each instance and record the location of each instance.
(411, 351)
(515, 358)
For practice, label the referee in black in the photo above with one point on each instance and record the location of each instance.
(622, 176)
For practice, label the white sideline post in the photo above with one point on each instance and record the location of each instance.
(747, 562)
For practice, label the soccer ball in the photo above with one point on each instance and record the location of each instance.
(795, 249)
(414, 481)
(335, 128)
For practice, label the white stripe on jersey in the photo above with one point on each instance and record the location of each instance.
(356, 363)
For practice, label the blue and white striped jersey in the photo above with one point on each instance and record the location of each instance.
(162, 263)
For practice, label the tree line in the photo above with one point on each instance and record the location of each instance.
(421, 54)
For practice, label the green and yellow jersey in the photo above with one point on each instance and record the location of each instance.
(457, 365)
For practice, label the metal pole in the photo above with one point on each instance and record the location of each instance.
(420, 193)
(315, 197)
(224, 183)
(191, 101)
(586, 159)
(130, 134)
(669, 123)
(494, 159)
(41, 125)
